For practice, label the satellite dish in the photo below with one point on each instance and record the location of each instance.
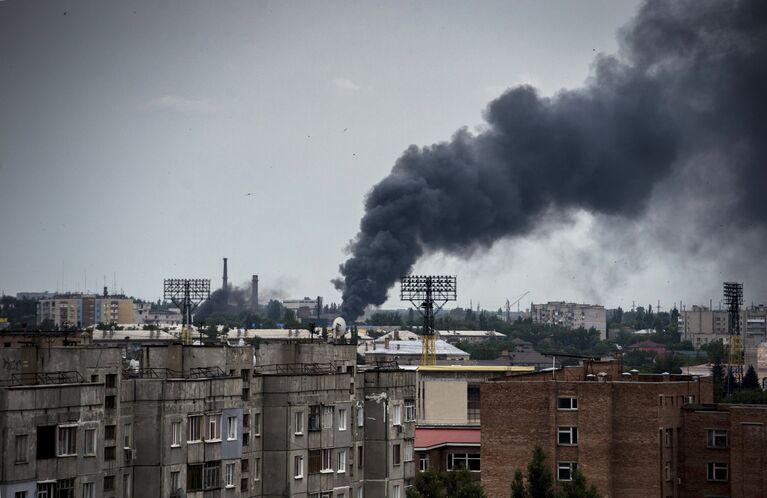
(339, 326)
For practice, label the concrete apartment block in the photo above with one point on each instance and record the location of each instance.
(286, 419)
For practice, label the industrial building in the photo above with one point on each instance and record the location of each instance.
(571, 316)
(622, 430)
(166, 420)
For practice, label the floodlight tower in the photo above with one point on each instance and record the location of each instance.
(733, 300)
(428, 294)
(187, 294)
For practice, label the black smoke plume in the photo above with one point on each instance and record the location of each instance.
(686, 90)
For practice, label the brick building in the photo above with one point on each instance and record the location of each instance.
(611, 426)
(722, 451)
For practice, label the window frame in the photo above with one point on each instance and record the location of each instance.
(341, 462)
(342, 419)
(570, 430)
(396, 454)
(298, 423)
(572, 405)
(712, 435)
(569, 467)
(175, 434)
(69, 432)
(467, 460)
(89, 450)
(410, 414)
(298, 467)
(396, 418)
(229, 475)
(213, 428)
(327, 460)
(231, 428)
(327, 416)
(194, 428)
(713, 467)
(21, 451)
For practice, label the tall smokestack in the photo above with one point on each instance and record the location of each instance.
(254, 293)
(683, 98)
(226, 278)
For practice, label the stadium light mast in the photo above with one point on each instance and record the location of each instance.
(428, 294)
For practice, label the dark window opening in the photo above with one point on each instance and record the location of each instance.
(46, 442)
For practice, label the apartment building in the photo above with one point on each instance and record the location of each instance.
(614, 427)
(85, 310)
(571, 315)
(159, 421)
(723, 451)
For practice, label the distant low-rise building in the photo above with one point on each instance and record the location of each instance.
(453, 336)
(409, 352)
(571, 315)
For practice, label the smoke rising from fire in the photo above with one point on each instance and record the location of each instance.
(684, 96)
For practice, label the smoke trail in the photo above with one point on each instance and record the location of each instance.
(686, 86)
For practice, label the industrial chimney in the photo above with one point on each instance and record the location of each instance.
(254, 294)
(226, 278)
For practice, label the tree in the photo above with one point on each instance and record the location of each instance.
(539, 478)
(455, 484)
(750, 380)
(717, 373)
(577, 488)
(428, 484)
(518, 486)
(274, 309)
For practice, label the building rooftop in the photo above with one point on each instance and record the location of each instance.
(427, 438)
(414, 348)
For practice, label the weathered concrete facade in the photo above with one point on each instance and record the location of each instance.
(286, 419)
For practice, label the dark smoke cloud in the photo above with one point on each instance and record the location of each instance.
(686, 90)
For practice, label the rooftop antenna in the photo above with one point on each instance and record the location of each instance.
(428, 294)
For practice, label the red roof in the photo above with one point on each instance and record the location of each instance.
(432, 437)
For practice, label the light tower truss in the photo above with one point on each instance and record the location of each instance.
(428, 294)
(733, 301)
(187, 294)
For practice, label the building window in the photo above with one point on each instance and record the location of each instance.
(193, 433)
(717, 438)
(567, 436)
(396, 418)
(229, 475)
(89, 490)
(342, 419)
(468, 461)
(315, 461)
(110, 381)
(211, 475)
(175, 481)
(231, 428)
(342, 461)
(194, 477)
(565, 470)
(66, 488)
(667, 471)
(716, 471)
(360, 453)
(46, 442)
(472, 404)
(396, 454)
(109, 432)
(89, 448)
(67, 440)
(245, 420)
(360, 416)
(314, 418)
(19, 494)
(256, 469)
(126, 485)
(127, 436)
(567, 403)
(244, 466)
(175, 431)
(46, 490)
(409, 410)
(110, 453)
(327, 417)
(298, 423)
(22, 442)
(423, 462)
(245, 438)
(668, 436)
(244, 484)
(408, 450)
(257, 424)
(214, 427)
(396, 491)
(359, 492)
(109, 483)
(109, 402)
(298, 467)
(327, 460)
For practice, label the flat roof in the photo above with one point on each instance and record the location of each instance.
(427, 438)
(476, 368)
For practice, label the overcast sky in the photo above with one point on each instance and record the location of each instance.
(148, 140)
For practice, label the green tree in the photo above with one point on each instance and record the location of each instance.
(717, 374)
(518, 486)
(539, 478)
(274, 309)
(750, 380)
(578, 488)
(455, 484)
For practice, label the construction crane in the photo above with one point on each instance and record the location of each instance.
(510, 304)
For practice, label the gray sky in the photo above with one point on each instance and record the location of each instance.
(132, 132)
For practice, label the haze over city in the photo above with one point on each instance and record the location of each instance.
(141, 141)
